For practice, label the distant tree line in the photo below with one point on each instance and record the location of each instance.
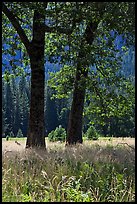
(15, 109)
(16, 103)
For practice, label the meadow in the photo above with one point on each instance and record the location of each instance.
(96, 171)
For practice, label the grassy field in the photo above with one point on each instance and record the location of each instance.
(96, 171)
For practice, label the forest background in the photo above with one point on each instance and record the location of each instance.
(117, 120)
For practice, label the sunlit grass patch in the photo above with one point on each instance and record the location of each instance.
(81, 173)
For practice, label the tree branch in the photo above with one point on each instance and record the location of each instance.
(58, 30)
(61, 30)
(16, 25)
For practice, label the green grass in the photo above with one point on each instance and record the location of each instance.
(15, 138)
(84, 138)
(84, 173)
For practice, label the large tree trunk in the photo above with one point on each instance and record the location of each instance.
(35, 137)
(74, 130)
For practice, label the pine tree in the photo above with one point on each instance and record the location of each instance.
(13, 82)
(51, 117)
(63, 108)
(9, 108)
(19, 133)
(18, 120)
(4, 125)
(24, 104)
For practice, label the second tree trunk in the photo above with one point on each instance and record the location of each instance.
(74, 131)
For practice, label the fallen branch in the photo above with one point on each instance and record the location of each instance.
(17, 143)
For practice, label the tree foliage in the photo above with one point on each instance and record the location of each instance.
(66, 25)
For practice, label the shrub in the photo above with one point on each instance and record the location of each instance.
(19, 133)
(11, 134)
(92, 133)
(7, 138)
(59, 134)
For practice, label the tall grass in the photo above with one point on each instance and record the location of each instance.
(84, 173)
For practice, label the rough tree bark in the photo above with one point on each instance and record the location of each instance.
(74, 130)
(35, 135)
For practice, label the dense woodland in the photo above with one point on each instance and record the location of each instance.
(93, 85)
(16, 102)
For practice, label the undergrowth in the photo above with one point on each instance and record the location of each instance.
(72, 174)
